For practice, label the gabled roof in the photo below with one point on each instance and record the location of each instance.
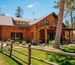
(37, 20)
(5, 20)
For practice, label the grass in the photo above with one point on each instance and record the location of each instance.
(35, 53)
(68, 48)
(52, 57)
(5, 60)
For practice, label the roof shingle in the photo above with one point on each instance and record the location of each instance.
(5, 20)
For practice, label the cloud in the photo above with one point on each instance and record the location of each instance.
(30, 6)
(4, 6)
(7, 14)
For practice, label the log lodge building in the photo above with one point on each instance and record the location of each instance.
(42, 29)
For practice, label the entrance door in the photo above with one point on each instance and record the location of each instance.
(51, 35)
(16, 36)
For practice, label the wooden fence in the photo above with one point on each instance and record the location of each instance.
(32, 57)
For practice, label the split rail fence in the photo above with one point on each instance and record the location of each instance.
(29, 53)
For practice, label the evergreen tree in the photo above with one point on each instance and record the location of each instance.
(1, 13)
(19, 12)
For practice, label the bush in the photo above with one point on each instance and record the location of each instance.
(16, 42)
(68, 48)
(62, 60)
(59, 59)
(51, 42)
(24, 42)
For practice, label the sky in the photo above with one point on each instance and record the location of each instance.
(39, 7)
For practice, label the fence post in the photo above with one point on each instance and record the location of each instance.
(29, 54)
(11, 48)
(1, 45)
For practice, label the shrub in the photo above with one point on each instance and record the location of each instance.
(24, 42)
(62, 60)
(17, 42)
(68, 48)
(59, 59)
(51, 42)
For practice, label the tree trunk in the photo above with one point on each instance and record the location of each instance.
(59, 26)
(71, 20)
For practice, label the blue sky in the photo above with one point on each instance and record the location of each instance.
(40, 7)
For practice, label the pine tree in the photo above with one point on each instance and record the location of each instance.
(19, 12)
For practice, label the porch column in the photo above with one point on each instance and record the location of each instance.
(45, 35)
(35, 36)
(38, 34)
(72, 34)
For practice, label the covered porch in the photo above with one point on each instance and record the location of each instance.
(69, 35)
(47, 33)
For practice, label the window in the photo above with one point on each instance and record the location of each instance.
(55, 23)
(16, 36)
(22, 23)
(46, 22)
(18, 22)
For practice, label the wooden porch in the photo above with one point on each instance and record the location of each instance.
(46, 33)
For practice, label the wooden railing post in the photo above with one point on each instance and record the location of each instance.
(1, 46)
(11, 48)
(29, 54)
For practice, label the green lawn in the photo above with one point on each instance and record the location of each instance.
(35, 53)
(52, 57)
(38, 54)
(5, 60)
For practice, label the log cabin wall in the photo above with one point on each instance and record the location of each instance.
(34, 30)
(0, 32)
(32, 33)
(6, 32)
(70, 35)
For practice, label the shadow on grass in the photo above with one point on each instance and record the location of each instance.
(19, 63)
